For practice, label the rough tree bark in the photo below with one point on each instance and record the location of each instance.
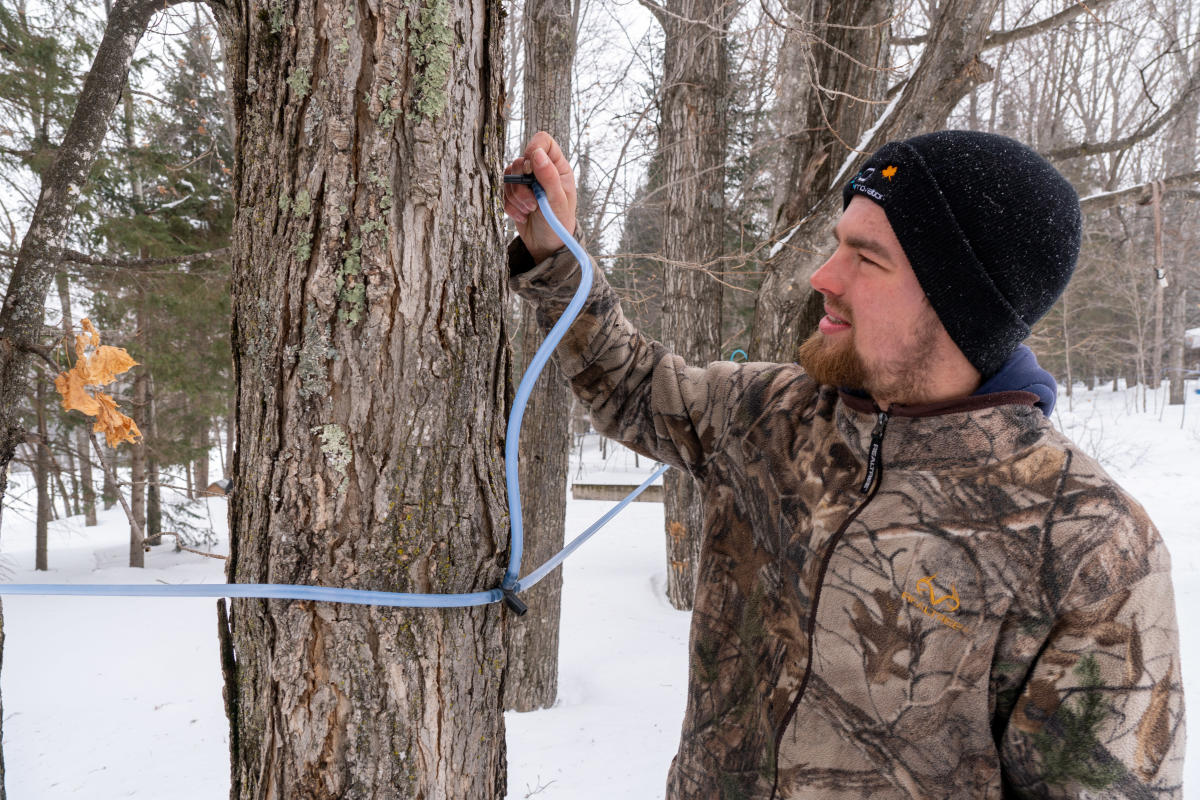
(532, 678)
(372, 371)
(786, 309)
(828, 45)
(692, 141)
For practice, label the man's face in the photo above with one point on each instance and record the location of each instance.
(879, 333)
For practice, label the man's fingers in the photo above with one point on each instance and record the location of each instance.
(520, 195)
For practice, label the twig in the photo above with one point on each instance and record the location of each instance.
(191, 549)
(112, 474)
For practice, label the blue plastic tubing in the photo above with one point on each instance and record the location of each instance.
(278, 591)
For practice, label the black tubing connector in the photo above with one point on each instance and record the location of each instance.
(514, 602)
(526, 178)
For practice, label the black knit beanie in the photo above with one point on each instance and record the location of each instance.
(991, 228)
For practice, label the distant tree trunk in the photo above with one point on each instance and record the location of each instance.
(153, 489)
(56, 473)
(692, 143)
(1175, 353)
(137, 471)
(532, 678)
(85, 475)
(372, 367)
(82, 447)
(42, 479)
(109, 488)
(200, 472)
(951, 64)
(1156, 348)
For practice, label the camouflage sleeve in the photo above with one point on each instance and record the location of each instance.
(1101, 713)
(637, 392)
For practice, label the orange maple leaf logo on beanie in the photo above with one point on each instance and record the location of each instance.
(889, 171)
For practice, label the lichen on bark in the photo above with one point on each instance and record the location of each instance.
(335, 444)
(432, 40)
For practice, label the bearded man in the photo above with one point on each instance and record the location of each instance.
(910, 584)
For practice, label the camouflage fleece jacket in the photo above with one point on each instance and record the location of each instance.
(987, 615)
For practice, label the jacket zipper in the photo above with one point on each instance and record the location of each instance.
(869, 487)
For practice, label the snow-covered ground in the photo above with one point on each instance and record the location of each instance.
(114, 698)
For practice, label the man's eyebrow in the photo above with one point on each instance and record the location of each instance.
(861, 243)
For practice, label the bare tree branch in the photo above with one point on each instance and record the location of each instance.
(1147, 130)
(1140, 195)
(658, 11)
(147, 264)
(1001, 38)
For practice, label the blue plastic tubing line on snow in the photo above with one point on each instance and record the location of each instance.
(510, 585)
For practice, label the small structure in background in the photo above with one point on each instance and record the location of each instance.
(1191, 339)
(220, 488)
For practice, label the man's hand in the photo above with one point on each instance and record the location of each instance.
(544, 158)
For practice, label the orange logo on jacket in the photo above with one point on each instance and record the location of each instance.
(926, 585)
(927, 589)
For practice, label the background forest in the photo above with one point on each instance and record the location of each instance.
(710, 141)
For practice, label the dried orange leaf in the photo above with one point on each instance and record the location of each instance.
(116, 426)
(106, 364)
(99, 368)
(70, 386)
(87, 325)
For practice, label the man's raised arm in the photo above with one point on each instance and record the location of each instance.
(637, 392)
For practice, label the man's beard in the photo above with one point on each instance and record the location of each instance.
(832, 364)
(902, 381)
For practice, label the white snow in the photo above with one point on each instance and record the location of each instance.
(116, 698)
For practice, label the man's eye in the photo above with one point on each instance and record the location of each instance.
(868, 261)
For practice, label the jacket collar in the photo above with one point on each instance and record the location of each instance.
(967, 432)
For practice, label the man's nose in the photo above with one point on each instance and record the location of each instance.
(830, 279)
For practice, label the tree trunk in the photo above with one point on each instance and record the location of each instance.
(85, 475)
(692, 143)
(1175, 353)
(42, 479)
(786, 309)
(372, 370)
(230, 439)
(201, 469)
(137, 467)
(109, 488)
(531, 681)
(87, 493)
(153, 490)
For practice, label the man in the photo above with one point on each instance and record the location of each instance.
(910, 584)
